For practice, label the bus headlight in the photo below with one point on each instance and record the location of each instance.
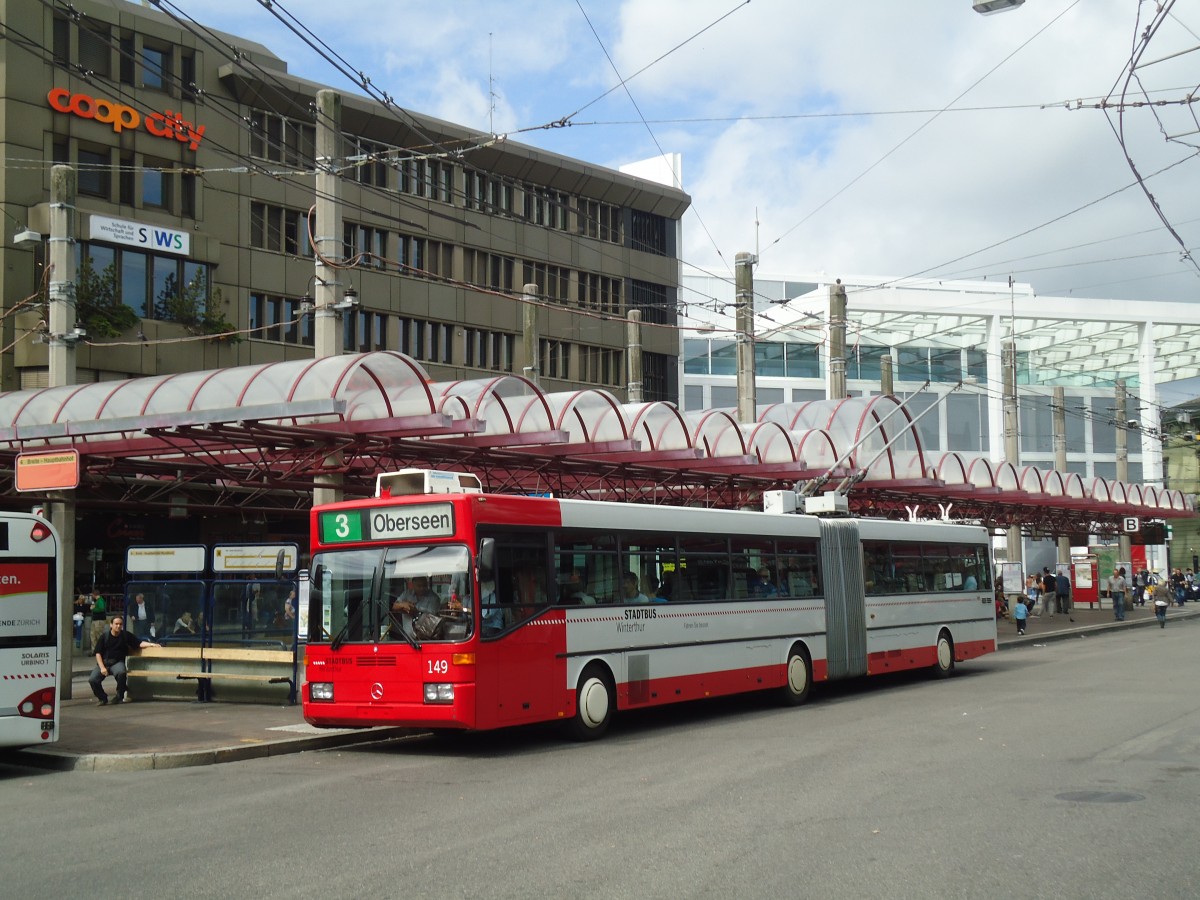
(320, 691)
(439, 693)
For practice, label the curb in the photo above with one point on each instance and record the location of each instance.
(59, 761)
(1081, 631)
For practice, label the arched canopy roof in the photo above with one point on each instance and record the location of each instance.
(382, 406)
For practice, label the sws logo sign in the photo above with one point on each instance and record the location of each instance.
(168, 124)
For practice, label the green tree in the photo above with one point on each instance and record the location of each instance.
(193, 307)
(98, 306)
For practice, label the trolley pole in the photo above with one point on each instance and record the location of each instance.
(744, 282)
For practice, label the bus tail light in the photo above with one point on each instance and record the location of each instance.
(38, 705)
(39, 532)
(439, 693)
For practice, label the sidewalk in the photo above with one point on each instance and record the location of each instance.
(177, 734)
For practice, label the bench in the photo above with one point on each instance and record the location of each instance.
(177, 657)
(207, 664)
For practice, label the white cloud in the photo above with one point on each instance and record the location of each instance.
(851, 193)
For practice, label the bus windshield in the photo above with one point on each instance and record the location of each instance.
(414, 592)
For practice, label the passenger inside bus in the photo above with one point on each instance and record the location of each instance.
(629, 590)
(575, 590)
(766, 585)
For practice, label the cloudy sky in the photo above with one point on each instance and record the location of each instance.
(866, 137)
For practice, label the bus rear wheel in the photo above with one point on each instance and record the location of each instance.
(595, 700)
(798, 677)
(944, 663)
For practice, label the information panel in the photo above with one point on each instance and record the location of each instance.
(407, 523)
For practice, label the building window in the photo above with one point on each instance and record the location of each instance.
(280, 229)
(966, 423)
(156, 67)
(127, 180)
(649, 232)
(658, 371)
(156, 184)
(945, 365)
(275, 318)
(803, 360)
(95, 49)
(365, 246)
(95, 173)
(365, 331)
(488, 270)
(488, 349)
(62, 41)
(600, 292)
(554, 282)
(656, 302)
(599, 220)
(369, 159)
(189, 87)
(547, 207)
(278, 139)
(555, 358)
(488, 193)
(913, 363)
(167, 288)
(602, 365)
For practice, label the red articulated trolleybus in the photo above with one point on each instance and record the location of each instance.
(435, 605)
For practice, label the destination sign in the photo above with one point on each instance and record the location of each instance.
(405, 523)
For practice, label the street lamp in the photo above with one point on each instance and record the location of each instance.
(987, 7)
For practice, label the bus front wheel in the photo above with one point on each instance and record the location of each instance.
(595, 701)
(944, 663)
(799, 677)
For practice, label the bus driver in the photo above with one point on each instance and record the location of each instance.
(419, 598)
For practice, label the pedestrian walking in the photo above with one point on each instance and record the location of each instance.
(1162, 599)
(1049, 593)
(99, 614)
(1117, 588)
(1062, 591)
(1021, 615)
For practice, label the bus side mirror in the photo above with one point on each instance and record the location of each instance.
(487, 559)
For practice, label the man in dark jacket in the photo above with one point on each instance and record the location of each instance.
(111, 650)
(1049, 592)
(1062, 588)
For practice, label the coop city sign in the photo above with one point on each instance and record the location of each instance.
(166, 124)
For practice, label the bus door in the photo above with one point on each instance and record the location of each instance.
(521, 670)
(845, 598)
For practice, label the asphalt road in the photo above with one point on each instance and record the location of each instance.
(1065, 770)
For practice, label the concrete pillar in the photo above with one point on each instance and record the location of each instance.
(329, 323)
(62, 337)
(837, 341)
(744, 311)
(530, 336)
(633, 353)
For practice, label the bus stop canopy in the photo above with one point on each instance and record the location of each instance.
(262, 436)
